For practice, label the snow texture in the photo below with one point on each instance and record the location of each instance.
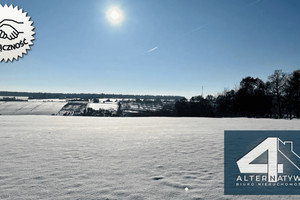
(104, 106)
(30, 107)
(56, 157)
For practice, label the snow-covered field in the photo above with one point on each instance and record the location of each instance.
(49, 100)
(56, 157)
(30, 107)
(105, 106)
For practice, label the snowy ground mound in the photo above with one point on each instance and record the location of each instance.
(56, 157)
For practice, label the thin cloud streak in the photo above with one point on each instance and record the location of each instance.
(197, 29)
(153, 49)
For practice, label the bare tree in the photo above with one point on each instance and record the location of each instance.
(293, 94)
(277, 88)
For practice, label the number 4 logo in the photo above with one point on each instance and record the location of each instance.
(273, 145)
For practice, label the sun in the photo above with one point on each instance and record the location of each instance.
(114, 15)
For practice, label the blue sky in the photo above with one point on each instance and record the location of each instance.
(194, 43)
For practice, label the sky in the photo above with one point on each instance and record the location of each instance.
(162, 47)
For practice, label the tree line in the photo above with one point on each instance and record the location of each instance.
(278, 97)
(83, 96)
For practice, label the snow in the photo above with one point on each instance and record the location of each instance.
(30, 107)
(109, 99)
(46, 100)
(104, 106)
(56, 157)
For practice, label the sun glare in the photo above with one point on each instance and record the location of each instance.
(114, 15)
